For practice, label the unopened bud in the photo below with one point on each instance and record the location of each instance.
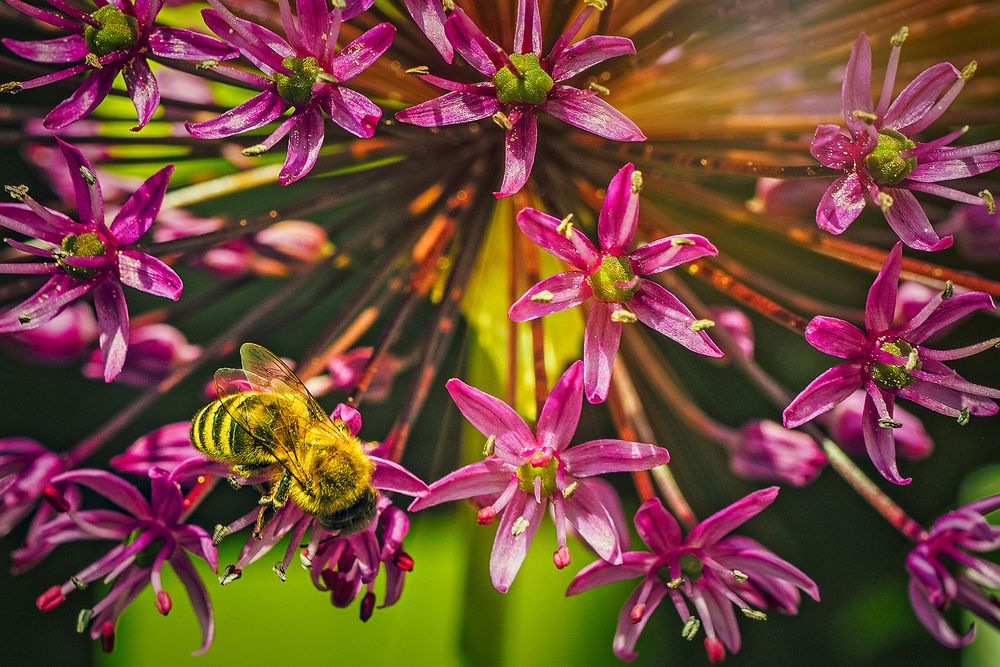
(163, 602)
(561, 557)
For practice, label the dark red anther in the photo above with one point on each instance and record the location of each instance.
(367, 606)
(403, 561)
(486, 516)
(638, 611)
(108, 637)
(55, 498)
(716, 651)
(561, 557)
(163, 602)
(50, 599)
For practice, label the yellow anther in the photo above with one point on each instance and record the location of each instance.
(636, 182)
(419, 69)
(544, 296)
(598, 88)
(701, 325)
(500, 118)
(490, 446)
(900, 36)
(623, 316)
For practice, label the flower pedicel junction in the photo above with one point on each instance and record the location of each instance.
(299, 159)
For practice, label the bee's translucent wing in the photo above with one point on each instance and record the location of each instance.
(269, 373)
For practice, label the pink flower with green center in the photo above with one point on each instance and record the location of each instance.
(888, 360)
(523, 83)
(612, 278)
(26, 472)
(525, 472)
(710, 568)
(88, 255)
(969, 583)
(879, 153)
(303, 70)
(117, 37)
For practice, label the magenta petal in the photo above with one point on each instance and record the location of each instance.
(878, 441)
(490, 476)
(50, 300)
(353, 8)
(138, 213)
(183, 44)
(390, 476)
(509, 550)
(657, 527)
(723, 522)
(312, 20)
(89, 200)
(593, 523)
(199, 543)
(352, 111)
(470, 43)
(199, 598)
(69, 49)
(589, 52)
(880, 306)
(362, 53)
(908, 219)
(304, 142)
(619, 212)
(519, 154)
(836, 337)
(528, 28)
(660, 310)
(110, 486)
(491, 416)
(21, 219)
(561, 412)
(841, 204)
(947, 170)
(947, 313)
(260, 46)
(826, 391)
(671, 251)
(598, 457)
(450, 109)
(856, 92)
(429, 17)
(542, 229)
(627, 633)
(933, 621)
(142, 88)
(256, 112)
(600, 573)
(585, 110)
(148, 274)
(919, 96)
(600, 345)
(349, 416)
(51, 18)
(84, 99)
(832, 148)
(112, 324)
(567, 291)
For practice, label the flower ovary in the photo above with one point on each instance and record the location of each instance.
(893, 376)
(531, 84)
(527, 473)
(117, 31)
(885, 164)
(82, 245)
(614, 281)
(297, 88)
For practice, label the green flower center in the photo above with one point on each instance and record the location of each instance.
(297, 88)
(117, 31)
(893, 376)
(691, 567)
(885, 165)
(615, 281)
(531, 84)
(528, 472)
(83, 245)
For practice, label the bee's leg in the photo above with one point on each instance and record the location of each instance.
(259, 526)
(279, 494)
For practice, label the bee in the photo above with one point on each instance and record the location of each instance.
(265, 416)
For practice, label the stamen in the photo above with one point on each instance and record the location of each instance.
(367, 606)
(912, 360)
(599, 5)
(865, 116)
(623, 316)
(501, 120)
(88, 175)
(279, 569)
(78, 584)
(545, 296)
(490, 445)
(11, 87)
(520, 525)
(969, 70)
(449, 5)
(701, 325)
(93, 61)
(207, 64)
(163, 602)
(991, 203)
(565, 226)
(884, 202)
(675, 583)
(964, 416)
(108, 637)
(598, 88)
(637, 612)
(51, 494)
(403, 561)
(636, 182)
(17, 192)
(949, 290)
(886, 422)
(691, 627)
(740, 577)
(678, 241)
(900, 36)
(570, 489)
(83, 620)
(561, 557)
(231, 574)
(486, 516)
(753, 614)
(254, 151)
(419, 69)
(50, 599)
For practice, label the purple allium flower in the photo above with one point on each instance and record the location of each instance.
(150, 534)
(523, 83)
(525, 471)
(345, 566)
(26, 472)
(889, 360)
(344, 371)
(882, 160)
(165, 448)
(429, 15)
(709, 567)
(305, 72)
(88, 255)
(117, 37)
(613, 277)
(787, 197)
(61, 339)
(933, 586)
(154, 351)
(845, 423)
(768, 452)
(977, 232)
(735, 323)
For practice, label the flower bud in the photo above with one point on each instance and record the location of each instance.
(768, 452)
(845, 424)
(61, 339)
(155, 350)
(289, 242)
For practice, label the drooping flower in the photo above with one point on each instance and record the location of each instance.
(882, 160)
(523, 83)
(63, 338)
(943, 573)
(149, 535)
(889, 360)
(768, 452)
(154, 351)
(709, 567)
(613, 277)
(117, 37)
(344, 371)
(165, 448)
(302, 70)
(846, 427)
(977, 232)
(523, 472)
(26, 473)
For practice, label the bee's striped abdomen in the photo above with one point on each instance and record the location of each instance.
(216, 434)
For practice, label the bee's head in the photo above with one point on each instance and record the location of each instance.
(355, 516)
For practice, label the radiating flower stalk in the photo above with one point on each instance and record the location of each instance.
(621, 137)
